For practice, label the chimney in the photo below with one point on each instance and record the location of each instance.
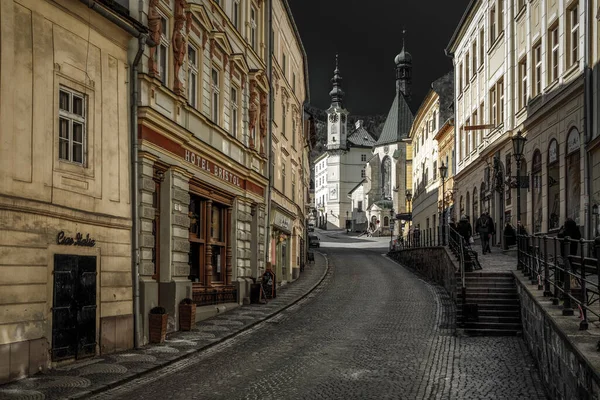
(359, 123)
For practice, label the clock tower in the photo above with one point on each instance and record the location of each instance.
(337, 115)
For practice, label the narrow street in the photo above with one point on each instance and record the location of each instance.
(372, 330)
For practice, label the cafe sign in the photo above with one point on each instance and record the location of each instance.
(281, 221)
(79, 240)
(219, 172)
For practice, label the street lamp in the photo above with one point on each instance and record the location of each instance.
(518, 142)
(443, 175)
(596, 214)
(392, 229)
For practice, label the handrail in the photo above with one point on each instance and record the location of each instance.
(456, 243)
(554, 267)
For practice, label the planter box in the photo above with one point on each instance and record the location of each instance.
(187, 316)
(158, 327)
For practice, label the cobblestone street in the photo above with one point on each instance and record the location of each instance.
(371, 330)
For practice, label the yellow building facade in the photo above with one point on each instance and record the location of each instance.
(65, 208)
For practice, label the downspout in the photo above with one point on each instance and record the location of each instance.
(588, 118)
(135, 251)
(270, 168)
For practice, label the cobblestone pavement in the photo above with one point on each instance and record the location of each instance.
(83, 379)
(372, 330)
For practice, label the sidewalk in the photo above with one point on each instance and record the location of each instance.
(91, 376)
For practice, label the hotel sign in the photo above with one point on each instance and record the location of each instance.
(213, 169)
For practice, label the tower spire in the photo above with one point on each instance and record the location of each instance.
(337, 94)
(404, 70)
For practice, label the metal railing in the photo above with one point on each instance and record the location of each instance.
(456, 243)
(566, 270)
(204, 296)
(425, 238)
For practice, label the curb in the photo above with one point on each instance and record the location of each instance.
(196, 351)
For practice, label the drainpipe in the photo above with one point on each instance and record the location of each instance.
(135, 251)
(588, 118)
(139, 31)
(270, 168)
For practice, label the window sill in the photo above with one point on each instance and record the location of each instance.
(496, 42)
(571, 71)
(552, 85)
(522, 111)
(521, 12)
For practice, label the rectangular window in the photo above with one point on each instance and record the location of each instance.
(360, 204)
(192, 75)
(500, 16)
(493, 23)
(481, 118)
(460, 76)
(500, 89)
(553, 54)
(293, 132)
(573, 38)
(234, 111)
(363, 173)
(520, 5)
(293, 82)
(284, 65)
(434, 170)
(462, 143)
(283, 178)
(494, 106)
(537, 70)
(468, 135)
(481, 46)
(162, 53)
(283, 118)
(236, 14)
(293, 187)
(363, 157)
(253, 28)
(71, 126)
(522, 83)
(467, 67)
(474, 57)
(215, 87)
(474, 133)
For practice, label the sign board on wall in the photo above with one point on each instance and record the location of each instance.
(281, 221)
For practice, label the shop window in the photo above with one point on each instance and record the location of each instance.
(553, 186)
(536, 191)
(573, 181)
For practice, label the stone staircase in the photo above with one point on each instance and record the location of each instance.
(491, 304)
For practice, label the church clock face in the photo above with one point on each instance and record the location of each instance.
(333, 118)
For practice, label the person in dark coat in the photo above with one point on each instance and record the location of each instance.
(482, 227)
(571, 230)
(464, 229)
(510, 235)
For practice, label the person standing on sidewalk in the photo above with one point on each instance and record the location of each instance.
(481, 227)
(491, 230)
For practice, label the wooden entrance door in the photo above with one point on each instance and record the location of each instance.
(74, 307)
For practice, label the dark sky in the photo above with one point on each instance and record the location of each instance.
(368, 35)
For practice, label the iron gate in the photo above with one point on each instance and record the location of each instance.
(74, 308)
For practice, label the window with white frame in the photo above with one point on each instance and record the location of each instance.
(474, 57)
(215, 95)
(236, 15)
(71, 125)
(522, 83)
(284, 64)
(500, 16)
(553, 54)
(283, 117)
(467, 67)
(434, 122)
(363, 157)
(481, 116)
(363, 173)
(500, 86)
(293, 132)
(493, 24)
(481, 46)
(234, 100)
(468, 138)
(494, 106)
(162, 53)
(474, 133)
(283, 177)
(294, 82)
(192, 76)
(460, 76)
(253, 27)
(293, 186)
(537, 69)
(573, 38)
(520, 5)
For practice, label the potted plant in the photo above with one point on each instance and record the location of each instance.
(187, 314)
(158, 324)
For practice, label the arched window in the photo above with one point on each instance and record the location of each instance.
(475, 204)
(482, 197)
(573, 178)
(386, 221)
(462, 207)
(553, 185)
(469, 205)
(536, 191)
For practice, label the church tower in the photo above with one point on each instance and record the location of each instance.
(404, 72)
(337, 115)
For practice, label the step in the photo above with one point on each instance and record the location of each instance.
(486, 284)
(495, 306)
(486, 274)
(484, 302)
(499, 320)
(490, 325)
(491, 290)
(492, 332)
(488, 295)
(488, 278)
(494, 313)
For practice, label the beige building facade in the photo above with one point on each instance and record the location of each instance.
(65, 204)
(519, 67)
(290, 164)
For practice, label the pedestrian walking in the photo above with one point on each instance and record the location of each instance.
(481, 227)
(571, 230)
(465, 229)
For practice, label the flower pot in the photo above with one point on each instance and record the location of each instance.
(158, 327)
(187, 316)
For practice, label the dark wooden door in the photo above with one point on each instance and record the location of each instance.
(74, 308)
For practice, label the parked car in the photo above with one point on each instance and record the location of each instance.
(311, 227)
(314, 241)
